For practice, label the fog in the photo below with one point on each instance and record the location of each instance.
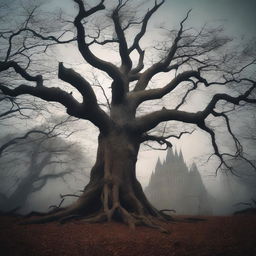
(227, 193)
(75, 145)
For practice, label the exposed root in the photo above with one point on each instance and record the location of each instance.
(116, 212)
(113, 192)
(100, 217)
(128, 218)
(105, 201)
(149, 222)
(111, 209)
(47, 217)
(37, 214)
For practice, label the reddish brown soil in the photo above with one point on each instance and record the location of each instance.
(215, 236)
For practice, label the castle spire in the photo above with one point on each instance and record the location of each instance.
(181, 158)
(170, 156)
(193, 168)
(158, 166)
(176, 152)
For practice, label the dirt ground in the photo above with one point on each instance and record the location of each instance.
(211, 236)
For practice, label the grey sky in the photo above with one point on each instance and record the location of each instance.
(238, 16)
(239, 20)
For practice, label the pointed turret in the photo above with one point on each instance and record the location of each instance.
(151, 180)
(176, 155)
(169, 156)
(158, 166)
(173, 183)
(181, 158)
(193, 169)
(169, 153)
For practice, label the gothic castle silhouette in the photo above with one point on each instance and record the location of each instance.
(174, 186)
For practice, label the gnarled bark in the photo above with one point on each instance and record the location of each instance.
(113, 192)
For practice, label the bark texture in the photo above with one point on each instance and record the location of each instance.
(191, 57)
(113, 193)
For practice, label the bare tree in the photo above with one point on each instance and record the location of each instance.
(30, 161)
(245, 164)
(191, 58)
(19, 52)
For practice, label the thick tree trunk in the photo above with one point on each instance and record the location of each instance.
(113, 192)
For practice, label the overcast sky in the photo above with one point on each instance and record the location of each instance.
(237, 15)
(239, 19)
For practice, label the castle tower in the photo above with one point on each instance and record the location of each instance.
(173, 186)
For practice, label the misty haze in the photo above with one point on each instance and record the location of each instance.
(127, 115)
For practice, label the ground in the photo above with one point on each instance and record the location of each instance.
(193, 236)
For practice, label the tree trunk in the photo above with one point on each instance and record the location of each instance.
(113, 192)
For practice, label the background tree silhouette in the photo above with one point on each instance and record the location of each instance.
(28, 162)
(192, 60)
